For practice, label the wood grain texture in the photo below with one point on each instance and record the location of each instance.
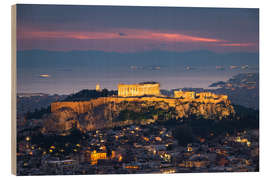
(13, 89)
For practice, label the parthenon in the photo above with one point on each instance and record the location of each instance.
(144, 88)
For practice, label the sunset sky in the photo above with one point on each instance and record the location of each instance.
(134, 29)
(63, 49)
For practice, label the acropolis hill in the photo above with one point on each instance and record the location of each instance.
(138, 99)
(143, 92)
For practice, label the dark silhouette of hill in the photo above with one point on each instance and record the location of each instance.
(36, 102)
(87, 94)
(242, 89)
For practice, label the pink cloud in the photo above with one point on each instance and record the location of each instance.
(123, 40)
(177, 37)
(128, 34)
(238, 44)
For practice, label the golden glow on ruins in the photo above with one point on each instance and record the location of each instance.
(147, 91)
(151, 88)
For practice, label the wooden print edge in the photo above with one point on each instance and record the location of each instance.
(13, 90)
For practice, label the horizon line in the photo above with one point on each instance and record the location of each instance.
(134, 52)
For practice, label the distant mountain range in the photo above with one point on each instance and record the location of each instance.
(43, 58)
(29, 102)
(242, 89)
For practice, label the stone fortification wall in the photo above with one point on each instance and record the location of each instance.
(84, 106)
(101, 112)
(79, 107)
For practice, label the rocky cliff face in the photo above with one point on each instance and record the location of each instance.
(207, 111)
(60, 121)
(101, 113)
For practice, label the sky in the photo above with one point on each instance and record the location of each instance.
(135, 29)
(63, 49)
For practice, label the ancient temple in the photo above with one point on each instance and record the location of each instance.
(141, 89)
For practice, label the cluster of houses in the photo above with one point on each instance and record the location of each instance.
(143, 149)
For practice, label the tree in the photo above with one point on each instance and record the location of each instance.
(183, 134)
